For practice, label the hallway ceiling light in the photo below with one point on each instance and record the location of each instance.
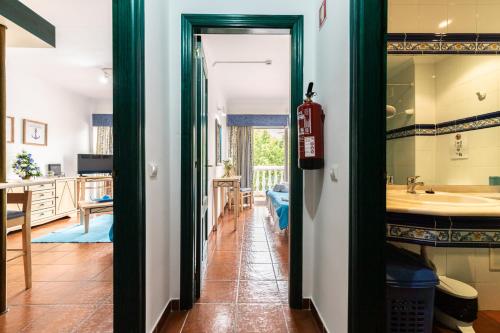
(107, 75)
(264, 62)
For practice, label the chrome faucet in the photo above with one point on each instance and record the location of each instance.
(411, 183)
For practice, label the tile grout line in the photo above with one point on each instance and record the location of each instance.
(276, 278)
(235, 324)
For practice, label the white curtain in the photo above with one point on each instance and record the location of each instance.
(104, 143)
(241, 153)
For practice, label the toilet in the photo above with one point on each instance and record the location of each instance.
(456, 304)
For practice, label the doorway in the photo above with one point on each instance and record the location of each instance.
(192, 127)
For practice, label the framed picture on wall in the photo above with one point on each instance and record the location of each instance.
(9, 129)
(218, 143)
(34, 133)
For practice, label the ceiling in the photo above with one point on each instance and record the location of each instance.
(444, 16)
(83, 46)
(248, 87)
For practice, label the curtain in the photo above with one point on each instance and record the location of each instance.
(104, 144)
(241, 153)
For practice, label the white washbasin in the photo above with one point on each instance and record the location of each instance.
(441, 203)
(440, 198)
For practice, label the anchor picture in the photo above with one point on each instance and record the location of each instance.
(34, 132)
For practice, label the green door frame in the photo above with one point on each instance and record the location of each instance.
(191, 23)
(129, 191)
(367, 166)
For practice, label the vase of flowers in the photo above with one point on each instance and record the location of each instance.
(25, 167)
(228, 168)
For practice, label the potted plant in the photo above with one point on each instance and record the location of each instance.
(25, 167)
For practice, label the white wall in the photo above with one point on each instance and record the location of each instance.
(327, 202)
(103, 106)
(217, 108)
(158, 190)
(260, 106)
(66, 113)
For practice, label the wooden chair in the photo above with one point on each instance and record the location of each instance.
(22, 218)
(246, 195)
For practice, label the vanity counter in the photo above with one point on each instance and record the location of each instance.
(443, 219)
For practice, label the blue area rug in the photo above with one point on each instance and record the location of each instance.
(98, 232)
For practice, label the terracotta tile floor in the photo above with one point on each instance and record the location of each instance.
(72, 286)
(245, 287)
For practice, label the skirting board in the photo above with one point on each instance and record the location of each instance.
(173, 305)
(308, 304)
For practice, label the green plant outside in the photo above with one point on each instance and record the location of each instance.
(267, 150)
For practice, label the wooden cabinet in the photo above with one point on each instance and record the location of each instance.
(50, 201)
(66, 196)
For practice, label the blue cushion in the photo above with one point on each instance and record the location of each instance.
(13, 214)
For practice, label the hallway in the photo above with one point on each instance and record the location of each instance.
(245, 286)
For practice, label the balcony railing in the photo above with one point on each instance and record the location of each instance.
(265, 177)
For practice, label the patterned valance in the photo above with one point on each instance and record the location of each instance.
(257, 120)
(102, 120)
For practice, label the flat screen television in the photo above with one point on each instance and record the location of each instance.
(94, 163)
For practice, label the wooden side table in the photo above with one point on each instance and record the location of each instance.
(229, 182)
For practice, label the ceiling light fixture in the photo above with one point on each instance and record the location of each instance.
(107, 75)
(267, 62)
(444, 24)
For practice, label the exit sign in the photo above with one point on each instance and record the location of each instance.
(322, 14)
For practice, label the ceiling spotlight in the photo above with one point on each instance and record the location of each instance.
(107, 75)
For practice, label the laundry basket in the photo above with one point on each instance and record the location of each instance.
(410, 290)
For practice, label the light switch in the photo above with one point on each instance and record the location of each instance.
(153, 169)
(334, 173)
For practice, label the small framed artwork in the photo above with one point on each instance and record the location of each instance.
(9, 129)
(34, 133)
(218, 143)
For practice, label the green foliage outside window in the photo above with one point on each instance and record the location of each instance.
(267, 149)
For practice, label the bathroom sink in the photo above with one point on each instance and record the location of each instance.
(440, 198)
(441, 203)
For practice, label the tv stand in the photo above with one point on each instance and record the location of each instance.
(106, 182)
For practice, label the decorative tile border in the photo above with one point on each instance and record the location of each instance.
(460, 125)
(429, 43)
(446, 232)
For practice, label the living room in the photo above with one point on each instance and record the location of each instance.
(59, 146)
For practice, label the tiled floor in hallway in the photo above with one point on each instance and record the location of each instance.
(72, 286)
(245, 286)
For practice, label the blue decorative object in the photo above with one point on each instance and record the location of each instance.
(244, 120)
(105, 198)
(102, 120)
(99, 232)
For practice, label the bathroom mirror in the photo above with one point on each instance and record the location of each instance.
(443, 118)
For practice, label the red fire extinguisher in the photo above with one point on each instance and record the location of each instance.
(311, 119)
